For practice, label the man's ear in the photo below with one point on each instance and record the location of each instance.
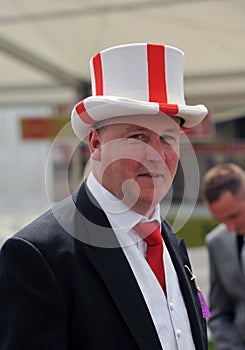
(94, 142)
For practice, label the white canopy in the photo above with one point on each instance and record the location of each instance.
(45, 46)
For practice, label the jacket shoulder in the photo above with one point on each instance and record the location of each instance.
(216, 234)
(53, 227)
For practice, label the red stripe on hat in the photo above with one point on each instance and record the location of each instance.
(156, 73)
(170, 109)
(83, 114)
(98, 76)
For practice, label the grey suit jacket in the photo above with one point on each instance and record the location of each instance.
(227, 290)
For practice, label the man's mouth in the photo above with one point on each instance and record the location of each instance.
(153, 176)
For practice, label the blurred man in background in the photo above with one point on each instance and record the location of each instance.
(224, 195)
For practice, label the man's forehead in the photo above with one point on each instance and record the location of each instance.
(133, 128)
(153, 122)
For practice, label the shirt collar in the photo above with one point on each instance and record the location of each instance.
(119, 215)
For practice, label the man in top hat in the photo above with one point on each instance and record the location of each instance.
(102, 269)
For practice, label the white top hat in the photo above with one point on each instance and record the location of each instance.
(135, 79)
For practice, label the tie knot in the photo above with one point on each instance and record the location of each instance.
(149, 232)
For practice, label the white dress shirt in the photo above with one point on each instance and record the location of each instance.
(169, 314)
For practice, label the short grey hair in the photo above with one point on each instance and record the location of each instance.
(222, 178)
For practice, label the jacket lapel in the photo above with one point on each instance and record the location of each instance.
(111, 264)
(179, 256)
(113, 268)
(231, 262)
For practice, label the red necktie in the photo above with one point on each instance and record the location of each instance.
(151, 234)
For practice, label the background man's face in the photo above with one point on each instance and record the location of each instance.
(230, 210)
(139, 162)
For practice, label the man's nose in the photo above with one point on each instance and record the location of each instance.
(155, 152)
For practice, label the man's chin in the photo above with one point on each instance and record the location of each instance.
(143, 198)
(154, 194)
(147, 201)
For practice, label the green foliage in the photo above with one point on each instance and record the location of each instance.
(195, 230)
(211, 346)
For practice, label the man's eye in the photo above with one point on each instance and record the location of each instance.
(137, 136)
(168, 138)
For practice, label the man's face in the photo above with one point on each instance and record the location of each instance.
(230, 210)
(137, 162)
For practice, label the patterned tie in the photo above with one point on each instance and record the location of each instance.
(151, 234)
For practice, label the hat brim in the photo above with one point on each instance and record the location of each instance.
(94, 109)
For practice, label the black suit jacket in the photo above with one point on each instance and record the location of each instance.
(65, 284)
